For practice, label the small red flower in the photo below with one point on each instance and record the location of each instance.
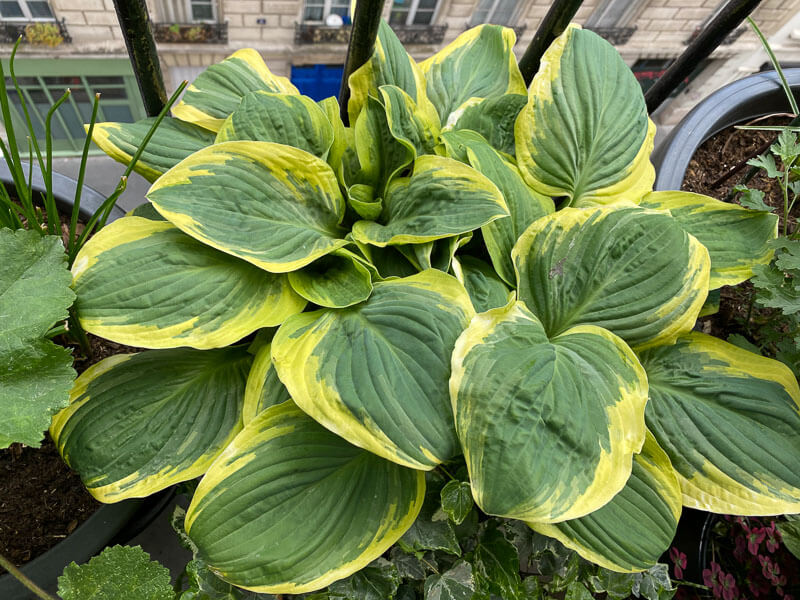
(773, 537)
(678, 559)
(729, 589)
(754, 538)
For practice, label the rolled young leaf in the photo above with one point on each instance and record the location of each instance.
(548, 426)
(138, 423)
(492, 118)
(736, 238)
(442, 198)
(634, 272)
(263, 388)
(409, 125)
(218, 90)
(288, 119)
(290, 507)
(485, 288)
(637, 526)
(376, 373)
(172, 141)
(146, 283)
(479, 63)
(336, 280)
(601, 156)
(729, 421)
(272, 205)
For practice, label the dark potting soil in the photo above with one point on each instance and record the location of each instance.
(714, 158)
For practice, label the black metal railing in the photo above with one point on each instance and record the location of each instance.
(420, 34)
(617, 36)
(310, 33)
(49, 33)
(727, 41)
(191, 33)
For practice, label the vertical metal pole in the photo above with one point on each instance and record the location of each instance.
(366, 20)
(135, 24)
(552, 26)
(729, 18)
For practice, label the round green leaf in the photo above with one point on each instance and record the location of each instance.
(637, 526)
(376, 373)
(138, 423)
(634, 272)
(604, 155)
(729, 421)
(288, 119)
(334, 281)
(457, 500)
(289, 507)
(129, 275)
(272, 205)
(548, 426)
(736, 238)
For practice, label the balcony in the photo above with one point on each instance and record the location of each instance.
(39, 33)
(310, 33)
(618, 36)
(420, 34)
(191, 33)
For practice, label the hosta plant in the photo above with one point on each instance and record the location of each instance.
(468, 269)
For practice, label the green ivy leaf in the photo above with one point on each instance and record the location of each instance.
(577, 591)
(616, 585)
(431, 531)
(752, 199)
(457, 500)
(118, 572)
(409, 566)
(496, 563)
(653, 584)
(457, 583)
(377, 581)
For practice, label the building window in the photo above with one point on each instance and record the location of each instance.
(28, 10)
(317, 11)
(188, 11)
(614, 13)
(412, 12)
(497, 12)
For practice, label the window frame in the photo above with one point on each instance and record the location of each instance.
(27, 15)
(190, 11)
(326, 12)
(492, 10)
(626, 11)
(412, 13)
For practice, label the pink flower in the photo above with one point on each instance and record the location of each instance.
(754, 538)
(713, 578)
(773, 537)
(741, 546)
(678, 558)
(729, 589)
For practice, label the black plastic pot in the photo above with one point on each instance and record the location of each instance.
(111, 523)
(754, 96)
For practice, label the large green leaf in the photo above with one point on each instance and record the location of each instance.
(288, 119)
(289, 507)
(412, 127)
(336, 280)
(263, 388)
(492, 118)
(601, 155)
(376, 373)
(130, 274)
(637, 526)
(138, 423)
(479, 63)
(389, 64)
(548, 426)
(442, 198)
(217, 91)
(272, 205)
(729, 421)
(737, 239)
(172, 141)
(34, 295)
(633, 271)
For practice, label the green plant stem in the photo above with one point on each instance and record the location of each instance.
(775, 65)
(53, 222)
(552, 26)
(78, 334)
(134, 20)
(59, 330)
(23, 579)
(76, 206)
(446, 472)
(24, 106)
(366, 20)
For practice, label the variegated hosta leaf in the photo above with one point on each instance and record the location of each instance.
(455, 143)
(380, 154)
(524, 204)
(146, 283)
(361, 198)
(632, 271)
(272, 205)
(409, 125)
(729, 421)
(441, 198)
(485, 288)
(736, 238)
(584, 133)
(217, 91)
(493, 118)
(342, 136)
(377, 373)
(389, 64)
(138, 423)
(388, 261)
(548, 426)
(334, 281)
(263, 388)
(637, 526)
(434, 255)
(289, 507)
(172, 141)
(288, 119)
(479, 63)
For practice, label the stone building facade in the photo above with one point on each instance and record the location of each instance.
(78, 43)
